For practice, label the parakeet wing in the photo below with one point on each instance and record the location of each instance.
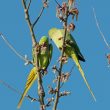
(74, 45)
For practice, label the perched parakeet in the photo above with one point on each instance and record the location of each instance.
(45, 53)
(44, 58)
(71, 50)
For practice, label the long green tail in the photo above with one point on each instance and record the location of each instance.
(74, 57)
(31, 78)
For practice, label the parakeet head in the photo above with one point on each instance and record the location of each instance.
(51, 32)
(44, 39)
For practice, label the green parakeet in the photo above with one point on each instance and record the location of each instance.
(44, 58)
(71, 50)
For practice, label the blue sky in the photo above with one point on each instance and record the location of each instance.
(13, 71)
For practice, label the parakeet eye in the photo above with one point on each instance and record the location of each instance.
(60, 48)
(60, 38)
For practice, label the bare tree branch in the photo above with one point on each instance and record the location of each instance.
(29, 4)
(14, 50)
(58, 83)
(17, 91)
(62, 14)
(58, 3)
(50, 100)
(61, 65)
(27, 17)
(41, 92)
(40, 14)
(97, 24)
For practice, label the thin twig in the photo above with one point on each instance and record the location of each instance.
(41, 12)
(17, 91)
(58, 3)
(14, 50)
(29, 4)
(50, 101)
(97, 24)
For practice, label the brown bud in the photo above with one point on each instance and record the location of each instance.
(63, 59)
(64, 77)
(45, 4)
(74, 11)
(64, 5)
(51, 90)
(72, 26)
(42, 107)
(64, 93)
(54, 68)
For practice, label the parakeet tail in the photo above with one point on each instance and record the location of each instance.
(74, 57)
(31, 78)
